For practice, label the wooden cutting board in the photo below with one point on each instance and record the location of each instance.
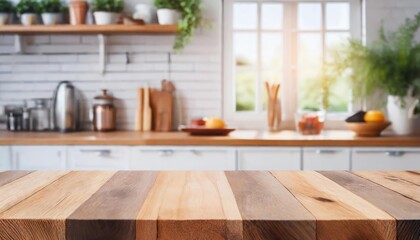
(162, 110)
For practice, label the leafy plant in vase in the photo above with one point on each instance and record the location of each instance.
(6, 9)
(390, 64)
(27, 10)
(186, 14)
(107, 11)
(51, 11)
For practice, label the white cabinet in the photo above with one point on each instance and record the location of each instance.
(97, 158)
(272, 158)
(182, 158)
(386, 159)
(321, 158)
(39, 157)
(5, 158)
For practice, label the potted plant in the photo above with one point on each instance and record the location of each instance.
(107, 11)
(169, 11)
(390, 64)
(6, 8)
(51, 11)
(28, 11)
(186, 13)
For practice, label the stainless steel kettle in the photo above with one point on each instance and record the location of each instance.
(65, 108)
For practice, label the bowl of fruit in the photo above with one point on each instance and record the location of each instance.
(310, 123)
(368, 124)
(208, 127)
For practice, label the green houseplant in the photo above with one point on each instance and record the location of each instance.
(390, 64)
(6, 8)
(186, 13)
(51, 11)
(27, 10)
(107, 11)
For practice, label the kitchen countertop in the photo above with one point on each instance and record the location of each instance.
(209, 205)
(237, 138)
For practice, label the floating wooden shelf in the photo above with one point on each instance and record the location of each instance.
(89, 29)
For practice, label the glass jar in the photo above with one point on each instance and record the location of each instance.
(310, 123)
(40, 115)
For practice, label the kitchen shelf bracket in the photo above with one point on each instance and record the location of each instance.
(102, 53)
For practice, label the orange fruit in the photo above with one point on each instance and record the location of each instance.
(374, 116)
(215, 123)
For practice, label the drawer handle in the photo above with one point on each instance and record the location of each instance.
(100, 152)
(394, 153)
(166, 153)
(195, 152)
(324, 151)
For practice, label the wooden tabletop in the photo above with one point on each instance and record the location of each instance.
(209, 205)
(236, 138)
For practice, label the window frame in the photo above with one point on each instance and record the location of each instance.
(288, 93)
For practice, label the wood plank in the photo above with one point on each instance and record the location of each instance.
(393, 181)
(88, 29)
(339, 212)
(21, 188)
(404, 210)
(111, 212)
(43, 214)
(10, 176)
(184, 205)
(268, 209)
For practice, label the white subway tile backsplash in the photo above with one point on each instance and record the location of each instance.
(132, 61)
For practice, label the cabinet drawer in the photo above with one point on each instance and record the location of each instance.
(269, 159)
(182, 158)
(39, 157)
(97, 158)
(386, 159)
(5, 158)
(326, 158)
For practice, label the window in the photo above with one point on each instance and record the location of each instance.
(288, 42)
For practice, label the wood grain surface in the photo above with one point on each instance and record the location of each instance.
(254, 191)
(184, 205)
(394, 181)
(404, 210)
(209, 205)
(236, 138)
(111, 212)
(338, 212)
(43, 214)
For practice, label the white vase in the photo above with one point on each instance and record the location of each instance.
(51, 18)
(4, 18)
(28, 19)
(145, 12)
(106, 18)
(168, 16)
(404, 122)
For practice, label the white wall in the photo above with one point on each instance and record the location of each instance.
(49, 59)
(392, 12)
(196, 72)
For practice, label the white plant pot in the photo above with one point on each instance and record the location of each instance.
(145, 12)
(51, 18)
(4, 18)
(168, 16)
(28, 19)
(404, 122)
(106, 18)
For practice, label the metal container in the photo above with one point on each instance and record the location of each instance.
(104, 113)
(65, 108)
(39, 116)
(14, 118)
